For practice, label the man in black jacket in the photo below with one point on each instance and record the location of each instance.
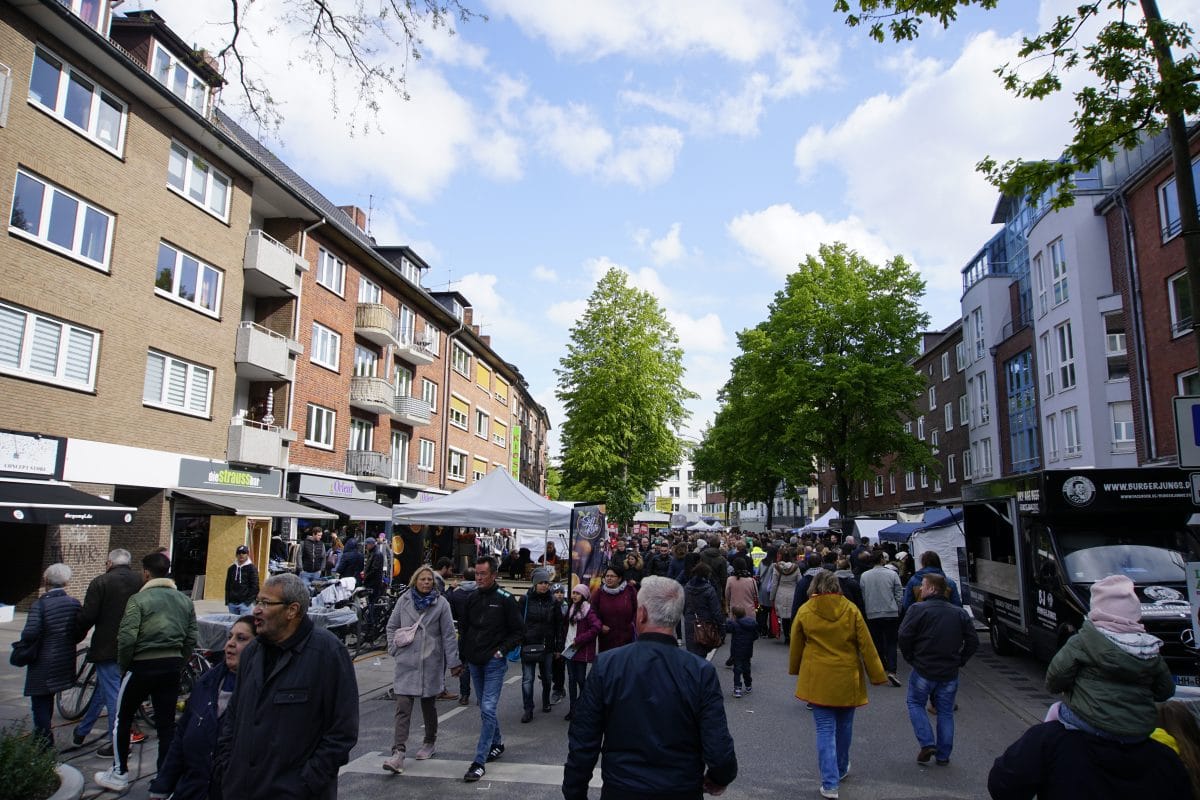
(293, 717)
(241, 583)
(312, 556)
(458, 607)
(103, 607)
(373, 575)
(937, 638)
(656, 713)
(490, 627)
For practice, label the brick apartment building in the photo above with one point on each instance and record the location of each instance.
(290, 370)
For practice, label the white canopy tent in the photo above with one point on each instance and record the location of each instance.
(701, 525)
(495, 501)
(871, 528)
(821, 523)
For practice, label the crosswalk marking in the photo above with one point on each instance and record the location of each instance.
(549, 775)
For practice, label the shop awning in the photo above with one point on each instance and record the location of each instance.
(58, 504)
(358, 510)
(249, 505)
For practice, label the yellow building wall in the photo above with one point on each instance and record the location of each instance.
(224, 535)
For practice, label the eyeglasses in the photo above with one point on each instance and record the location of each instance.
(264, 602)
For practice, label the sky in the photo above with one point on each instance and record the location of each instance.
(705, 147)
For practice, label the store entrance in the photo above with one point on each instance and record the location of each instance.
(24, 546)
(189, 550)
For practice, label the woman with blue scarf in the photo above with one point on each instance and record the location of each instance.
(421, 641)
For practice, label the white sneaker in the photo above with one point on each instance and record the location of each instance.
(113, 780)
(832, 794)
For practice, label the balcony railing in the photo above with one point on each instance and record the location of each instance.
(271, 266)
(253, 442)
(376, 322)
(262, 354)
(371, 394)
(411, 410)
(413, 349)
(368, 462)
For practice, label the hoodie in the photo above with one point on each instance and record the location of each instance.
(830, 647)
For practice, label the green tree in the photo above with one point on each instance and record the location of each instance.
(620, 384)
(1146, 74)
(553, 483)
(832, 362)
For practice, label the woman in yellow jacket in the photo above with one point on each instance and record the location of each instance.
(830, 648)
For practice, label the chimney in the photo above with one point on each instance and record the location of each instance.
(467, 316)
(357, 216)
(486, 340)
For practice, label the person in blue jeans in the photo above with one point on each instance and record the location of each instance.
(490, 627)
(937, 638)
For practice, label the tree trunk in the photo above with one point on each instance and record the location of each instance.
(1189, 220)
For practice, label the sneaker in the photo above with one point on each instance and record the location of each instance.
(495, 753)
(556, 698)
(527, 716)
(842, 777)
(748, 689)
(737, 692)
(427, 751)
(395, 764)
(77, 740)
(112, 780)
(892, 679)
(942, 763)
(474, 772)
(447, 695)
(830, 793)
(545, 708)
(464, 700)
(105, 750)
(136, 736)
(926, 754)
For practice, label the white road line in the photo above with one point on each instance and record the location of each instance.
(370, 764)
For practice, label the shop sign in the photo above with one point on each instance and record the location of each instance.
(515, 438)
(321, 486)
(31, 455)
(220, 476)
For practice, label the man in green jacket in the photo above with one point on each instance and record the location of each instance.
(157, 633)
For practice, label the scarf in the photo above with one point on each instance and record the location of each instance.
(580, 611)
(423, 601)
(620, 587)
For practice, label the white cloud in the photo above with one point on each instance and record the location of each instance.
(813, 65)
(780, 237)
(570, 134)
(645, 157)
(669, 248)
(498, 154)
(544, 273)
(704, 334)
(736, 114)
(567, 312)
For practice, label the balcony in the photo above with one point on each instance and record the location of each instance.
(411, 410)
(255, 443)
(377, 323)
(264, 355)
(413, 349)
(368, 462)
(270, 267)
(371, 394)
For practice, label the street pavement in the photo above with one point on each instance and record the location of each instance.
(773, 733)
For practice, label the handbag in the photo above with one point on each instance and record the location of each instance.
(404, 636)
(706, 634)
(25, 651)
(533, 653)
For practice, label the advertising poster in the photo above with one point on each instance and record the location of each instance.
(589, 544)
(1193, 588)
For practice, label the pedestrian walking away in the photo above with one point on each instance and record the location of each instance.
(743, 630)
(47, 649)
(883, 594)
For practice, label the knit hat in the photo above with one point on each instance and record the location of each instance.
(540, 575)
(583, 590)
(1115, 605)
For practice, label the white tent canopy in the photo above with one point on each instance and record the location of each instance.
(821, 522)
(495, 501)
(701, 525)
(536, 542)
(871, 528)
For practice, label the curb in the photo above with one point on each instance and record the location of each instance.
(70, 785)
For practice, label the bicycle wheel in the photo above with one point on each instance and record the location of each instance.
(73, 702)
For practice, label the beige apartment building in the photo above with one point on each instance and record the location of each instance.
(162, 282)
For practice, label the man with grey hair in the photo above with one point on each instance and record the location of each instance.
(295, 685)
(655, 711)
(103, 606)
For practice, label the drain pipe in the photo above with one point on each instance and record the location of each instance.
(1138, 318)
(446, 396)
(296, 337)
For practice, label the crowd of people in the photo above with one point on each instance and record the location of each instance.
(846, 610)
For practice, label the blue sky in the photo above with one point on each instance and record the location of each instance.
(704, 146)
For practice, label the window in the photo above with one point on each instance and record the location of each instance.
(1121, 415)
(90, 11)
(482, 423)
(865, 492)
(1047, 359)
(983, 465)
(673, 491)
(910, 480)
(946, 366)
(187, 280)
(331, 271)
(891, 483)
(61, 221)
(921, 428)
(425, 455)
(960, 356)
(1043, 293)
(1188, 383)
(362, 435)
(933, 398)
(75, 100)
(478, 468)
(432, 338)
(1180, 297)
(369, 291)
(325, 346)
(500, 434)
(1052, 437)
(933, 439)
(1072, 446)
(924, 478)
(178, 385)
(406, 322)
(937, 483)
(410, 271)
(983, 407)
(948, 413)
(977, 328)
(483, 376)
(459, 409)
(402, 381)
(47, 349)
(501, 390)
(950, 476)
(1058, 272)
(461, 359)
(429, 393)
(399, 456)
(319, 426)
(1168, 203)
(964, 409)
(366, 362)
(456, 464)
(1114, 348)
(195, 179)
(183, 83)
(1066, 355)
(968, 473)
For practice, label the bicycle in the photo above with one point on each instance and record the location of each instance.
(373, 617)
(73, 701)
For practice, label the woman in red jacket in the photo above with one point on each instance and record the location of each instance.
(616, 606)
(579, 643)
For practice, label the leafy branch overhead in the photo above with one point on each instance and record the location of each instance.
(371, 42)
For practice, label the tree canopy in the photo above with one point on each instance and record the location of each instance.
(621, 387)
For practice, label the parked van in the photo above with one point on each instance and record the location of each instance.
(1036, 543)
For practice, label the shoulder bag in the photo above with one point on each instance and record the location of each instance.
(25, 651)
(404, 636)
(706, 634)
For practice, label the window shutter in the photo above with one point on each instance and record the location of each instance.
(80, 345)
(176, 384)
(152, 389)
(198, 399)
(12, 333)
(43, 354)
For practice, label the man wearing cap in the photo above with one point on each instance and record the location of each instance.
(241, 583)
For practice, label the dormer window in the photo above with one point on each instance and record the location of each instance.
(93, 12)
(409, 270)
(182, 81)
(456, 309)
